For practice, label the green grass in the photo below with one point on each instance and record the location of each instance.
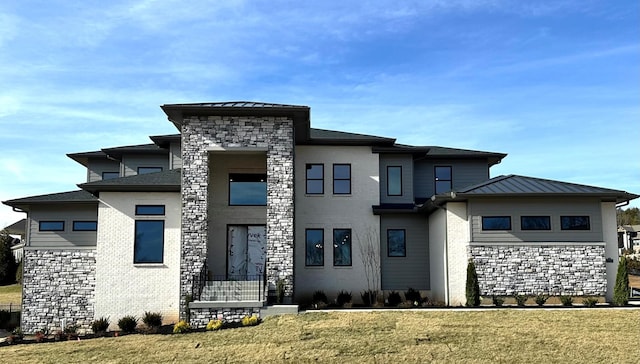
(11, 294)
(513, 336)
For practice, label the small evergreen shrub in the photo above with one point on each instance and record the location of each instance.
(590, 301)
(566, 300)
(214, 325)
(343, 298)
(128, 324)
(497, 300)
(621, 290)
(152, 319)
(100, 325)
(541, 299)
(413, 297)
(521, 299)
(472, 289)
(319, 297)
(182, 327)
(250, 321)
(394, 299)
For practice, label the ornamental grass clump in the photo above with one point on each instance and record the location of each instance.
(590, 301)
(153, 320)
(182, 327)
(394, 299)
(541, 299)
(100, 326)
(214, 325)
(521, 299)
(566, 300)
(413, 297)
(497, 300)
(128, 324)
(343, 298)
(250, 321)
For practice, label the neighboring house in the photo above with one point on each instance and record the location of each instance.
(248, 199)
(17, 229)
(628, 237)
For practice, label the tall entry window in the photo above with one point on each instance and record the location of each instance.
(341, 247)
(443, 179)
(247, 189)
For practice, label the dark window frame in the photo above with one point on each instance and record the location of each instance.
(74, 227)
(335, 247)
(241, 176)
(40, 223)
(155, 168)
(306, 249)
(140, 210)
(136, 241)
(114, 173)
(307, 179)
(487, 228)
(535, 228)
(573, 226)
(404, 244)
(400, 184)
(436, 179)
(335, 179)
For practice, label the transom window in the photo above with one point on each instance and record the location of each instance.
(314, 241)
(443, 179)
(396, 243)
(496, 223)
(575, 223)
(535, 222)
(145, 170)
(85, 225)
(394, 180)
(149, 241)
(154, 210)
(51, 226)
(247, 189)
(315, 179)
(342, 179)
(110, 175)
(341, 247)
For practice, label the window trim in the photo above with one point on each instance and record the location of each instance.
(139, 213)
(50, 221)
(341, 179)
(436, 180)
(510, 228)
(135, 241)
(306, 247)
(334, 245)
(404, 244)
(74, 228)
(307, 179)
(103, 173)
(264, 175)
(562, 226)
(522, 218)
(388, 179)
(149, 167)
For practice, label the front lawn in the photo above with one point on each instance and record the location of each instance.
(11, 294)
(600, 335)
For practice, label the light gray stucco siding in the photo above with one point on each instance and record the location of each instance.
(97, 166)
(175, 155)
(411, 271)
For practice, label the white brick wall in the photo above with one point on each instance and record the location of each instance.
(122, 287)
(458, 238)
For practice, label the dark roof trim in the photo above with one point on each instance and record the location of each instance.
(333, 137)
(436, 152)
(163, 141)
(391, 208)
(118, 152)
(165, 181)
(71, 197)
(83, 157)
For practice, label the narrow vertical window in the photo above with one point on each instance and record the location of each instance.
(394, 180)
(443, 179)
(341, 247)
(315, 179)
(396, 243)
(314, 241)
(342, 179)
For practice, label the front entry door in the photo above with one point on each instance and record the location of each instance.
(246, 252)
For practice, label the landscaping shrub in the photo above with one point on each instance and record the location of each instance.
(621, 290)
(128, 324)
(633, 263)
(250, 320)
(394, 299)
(541, 299)
(521, 299)
(566, 300)
(369, 297)
(590, 301)
(182, 327)
(319, 297)
(152, 319)
(413, 296)
(100, 325)
(5, 317)
(472, 289)
(7, 261)
(213, 325)
(19, 272)
(343, 298)
(497, 300)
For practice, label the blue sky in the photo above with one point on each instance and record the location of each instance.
(554, 84)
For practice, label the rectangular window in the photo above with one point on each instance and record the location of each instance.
(314, 240)
(315, 179)
(51, 226)
(145, 170)
(535, 222)
(110, 175)
(394, 180)
(496, 223)
(149, 241)
(154, 210)
(443, 179)
(575, 223)
(342, 179)
(247, 189)
(341, 247)
(396, 243)
(85, 225)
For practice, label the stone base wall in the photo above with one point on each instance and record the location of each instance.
(58, 289)
(200, 317)
(540, 269)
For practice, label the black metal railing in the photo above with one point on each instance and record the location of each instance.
(199, 281)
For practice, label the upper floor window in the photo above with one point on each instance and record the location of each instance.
(443, 179)
(314, 241)
(315, 179)
(110, 175)
(51, 226)
(154, 210)
(246, 189)
(85, 225)
(575, 223)
(394, 180)
(496, 223)
(342, 179)
(535, 222)
(149, 241)
(145, 170)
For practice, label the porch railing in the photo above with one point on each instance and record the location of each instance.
(234, 288)
(199, 281)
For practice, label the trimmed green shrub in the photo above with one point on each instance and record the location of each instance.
(413, 296)
(128, 324)
(566, 300)
(472, 289)
(497, 300)
(100, 325)
(621, 290)
(541, 299)
(590, 301)
(521, 299)
(152, 319)
(394, 299)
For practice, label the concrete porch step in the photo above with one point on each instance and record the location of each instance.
(275, 310)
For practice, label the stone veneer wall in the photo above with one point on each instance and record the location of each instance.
(275, 134)
(200, 317)
(534, 269)
(58, 285)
